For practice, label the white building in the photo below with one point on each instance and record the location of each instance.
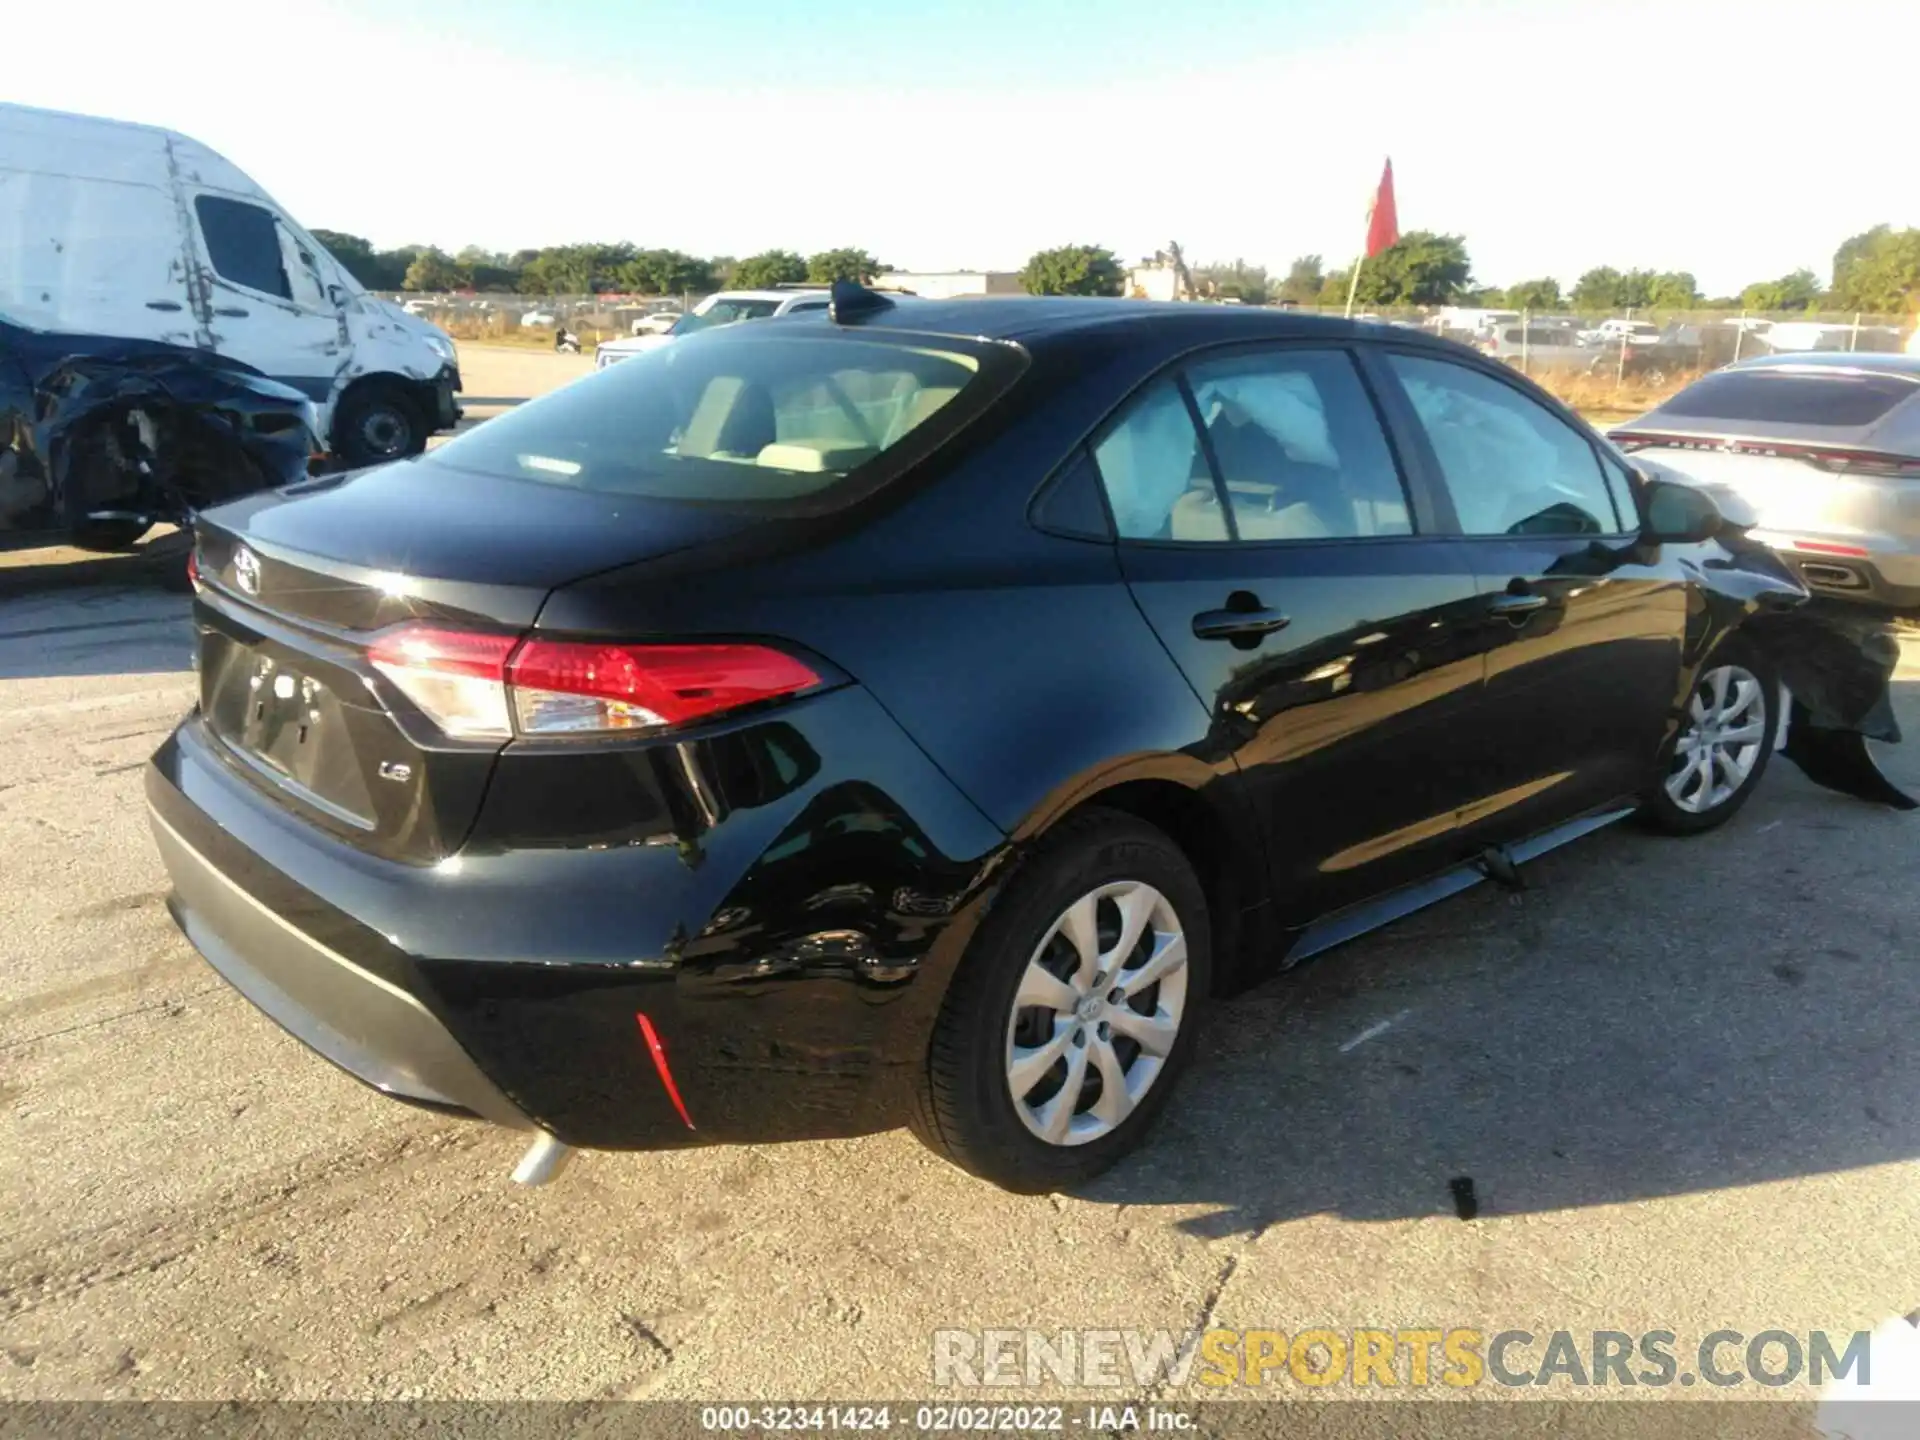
(950, 284)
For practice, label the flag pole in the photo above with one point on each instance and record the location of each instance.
(1353, 285)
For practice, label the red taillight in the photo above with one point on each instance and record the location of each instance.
(479, 685)
(1781, 541)
(193, 570)
(565, 687)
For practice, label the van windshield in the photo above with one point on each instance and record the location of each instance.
(740, 415)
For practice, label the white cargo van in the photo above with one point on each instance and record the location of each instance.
(112, 228)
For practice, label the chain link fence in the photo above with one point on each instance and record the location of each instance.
(1599, 361)
(533, 319)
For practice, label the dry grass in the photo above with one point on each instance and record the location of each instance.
(1601, 399)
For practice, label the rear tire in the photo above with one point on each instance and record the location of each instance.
(1074, 1010)
(1726, 738)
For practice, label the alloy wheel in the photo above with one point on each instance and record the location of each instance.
(1097, 1012)
(1726, 727)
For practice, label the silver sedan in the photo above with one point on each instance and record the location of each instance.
(1826, 450)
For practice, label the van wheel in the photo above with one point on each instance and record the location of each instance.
(1074, 1010)
(1726, 738)
(376, 424)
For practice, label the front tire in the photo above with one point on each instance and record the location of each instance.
(375, 424)
(1074, 1010)
(1726, 738)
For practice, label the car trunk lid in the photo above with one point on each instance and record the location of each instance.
(296, 586)
(1793, 487)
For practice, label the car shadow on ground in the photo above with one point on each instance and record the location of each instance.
(134, 621)
(1650, 1017)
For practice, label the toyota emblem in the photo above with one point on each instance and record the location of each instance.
(246, 570)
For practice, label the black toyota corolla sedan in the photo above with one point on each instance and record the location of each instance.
(917, 712)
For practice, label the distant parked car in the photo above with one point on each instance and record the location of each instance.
(538, 317)
(1810, 336)
(1542, 347)
(1612, 332)
(1825, 447)
(726, 308)
(1478, 323)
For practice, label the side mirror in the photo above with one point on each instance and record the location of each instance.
(1678, 514)
(337, 296)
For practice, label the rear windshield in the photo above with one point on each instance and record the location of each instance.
(1792, 397)
(723, 312)
(753, 414)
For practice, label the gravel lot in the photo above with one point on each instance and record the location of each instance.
(1681, 1075)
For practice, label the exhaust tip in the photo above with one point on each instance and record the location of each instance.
(546, 1157)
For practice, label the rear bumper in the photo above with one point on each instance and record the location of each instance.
(1890, 581)
(787, 943)
(368, 1026)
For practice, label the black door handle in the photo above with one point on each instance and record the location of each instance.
(1237, 624)
(233, 310)
(1507, 606)
(163, 304)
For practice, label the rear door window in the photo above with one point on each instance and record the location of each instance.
(1792, 397)
(1299, 446)
(1293, 435)
(243, 244)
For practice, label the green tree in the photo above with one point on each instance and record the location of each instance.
(575, 269)
(434, 270)
(1333, 288)
(375, 269)
(355, 254)
(767, 269)
(1421, 269)
(665, 272)
(1073, 270)
(1798, 291)
(1239, 281)
(1599, 289)
(1535, 295)
(1305, 277)
(1673, 290)
(831, 265)
(1878, 271)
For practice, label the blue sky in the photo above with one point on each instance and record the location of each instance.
(1689, 134)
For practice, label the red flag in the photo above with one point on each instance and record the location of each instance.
(1383, 221)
